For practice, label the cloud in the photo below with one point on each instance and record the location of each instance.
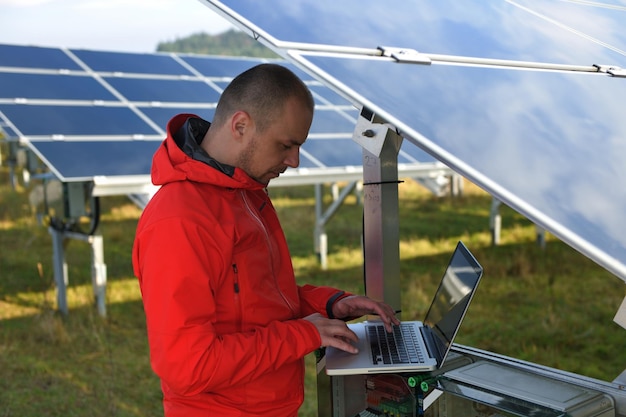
(23, 3)
(125, 4)
(115, 25)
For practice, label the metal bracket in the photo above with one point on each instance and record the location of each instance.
(404, 55)
(611, 70)
(620, 316)
(369, 135)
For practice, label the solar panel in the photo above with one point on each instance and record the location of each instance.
(131, 63)
(162, 115)
(36, 58)
(601, 22)
(157, 90)
(544, 133)
(52, 86)
(219, 67)
(498, 29)
(330, 121)
(73, 108)
(114, 158)
(57, 122)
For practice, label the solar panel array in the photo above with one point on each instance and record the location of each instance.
(89, 114)
(523, 97)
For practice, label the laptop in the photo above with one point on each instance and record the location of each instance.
(428, 342)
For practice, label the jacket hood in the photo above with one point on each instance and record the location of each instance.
(180, 157)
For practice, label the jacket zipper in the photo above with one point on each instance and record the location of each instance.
(236, 289)
(267, 238)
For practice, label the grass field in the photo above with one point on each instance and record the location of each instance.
(552, 306)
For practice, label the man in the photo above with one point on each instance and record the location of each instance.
(228, 327)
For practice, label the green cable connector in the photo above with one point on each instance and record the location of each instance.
(422, 381)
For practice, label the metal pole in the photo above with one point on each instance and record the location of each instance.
(98, 273)
(381, 241)
(60, 268)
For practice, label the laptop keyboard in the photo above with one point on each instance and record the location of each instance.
(398, 347)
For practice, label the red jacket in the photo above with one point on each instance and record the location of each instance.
(223, 311)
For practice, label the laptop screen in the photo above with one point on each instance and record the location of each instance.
(453, 296)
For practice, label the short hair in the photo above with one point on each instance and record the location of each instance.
(262, 92)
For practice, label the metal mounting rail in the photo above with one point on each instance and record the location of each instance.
(408, 55)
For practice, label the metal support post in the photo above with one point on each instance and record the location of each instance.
(98, 267)
(60, 268)
(456, 185)
(495, 224)
(381, 242)
(540, 232)
(381, 248)
(319, 233)
(323, 217)
(98, 273)
(495, 221)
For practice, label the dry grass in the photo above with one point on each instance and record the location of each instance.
(549, 306)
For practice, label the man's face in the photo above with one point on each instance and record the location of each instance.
(269, 153)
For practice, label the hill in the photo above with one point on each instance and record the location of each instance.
(230, 43)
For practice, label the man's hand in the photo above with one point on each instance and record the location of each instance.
(359, 305)
(334, 333)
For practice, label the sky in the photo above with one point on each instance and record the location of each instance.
(110, 25)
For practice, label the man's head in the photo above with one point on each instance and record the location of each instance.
(261, 120)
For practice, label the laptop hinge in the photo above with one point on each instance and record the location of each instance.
(431, 345)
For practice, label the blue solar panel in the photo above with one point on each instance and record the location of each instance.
(410, 154)
(331, 121)
(221, 84)
(551, 144)
(8, 131)
(177, 91)
(114, 158)
(306, 77)
(35, 57)
(602, 22)
(220, 66)
(308, 163)
(162, 115)
(518, 132)
(323, 95)
(488, 28)
(49, 86)
(49, 121)
(104, 61)
(325, 152)
(112, 96)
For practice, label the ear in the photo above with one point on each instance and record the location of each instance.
(240, 124)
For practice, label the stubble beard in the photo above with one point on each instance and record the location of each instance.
(244, 161)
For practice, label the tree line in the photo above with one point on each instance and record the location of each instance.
(229, 43)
